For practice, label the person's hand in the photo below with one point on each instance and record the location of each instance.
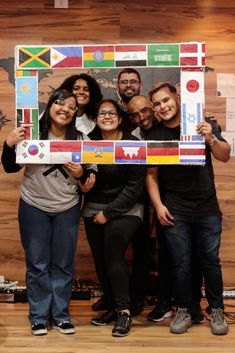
(75, 168)
(100, 218)
(205, 129)
(15, 136)
(164, 216)
(89, 183)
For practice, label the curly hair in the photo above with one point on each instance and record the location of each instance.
(94, 89)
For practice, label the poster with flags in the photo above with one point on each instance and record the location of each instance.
(130, 55)
(99, 152)
(98, 56)
(30, 118)
(192, 152)
(166, 152)
(130, 152)
(33, 152)
(27, 92)
(66, 57)
(34, 57)
(65, 151)
(192, 54)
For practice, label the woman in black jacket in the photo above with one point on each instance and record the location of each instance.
(113, 213)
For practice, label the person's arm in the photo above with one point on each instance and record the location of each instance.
(163, 215)
(129, 194)
(220, 149)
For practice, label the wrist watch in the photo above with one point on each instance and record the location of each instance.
(214, 140)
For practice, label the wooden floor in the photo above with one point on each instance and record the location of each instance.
(145, 337)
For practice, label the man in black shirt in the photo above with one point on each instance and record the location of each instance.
(187, 207)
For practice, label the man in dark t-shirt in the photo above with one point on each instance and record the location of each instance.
(187, 207)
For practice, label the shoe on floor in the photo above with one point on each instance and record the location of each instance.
(181, 321)
(196, 314)
(39, 329)
(105, 318)
(161, 311)
(122, 325)
(64, 327)
(100, 305)
(218, 324)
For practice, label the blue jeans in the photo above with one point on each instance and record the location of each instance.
(204, 233)
(49, 240)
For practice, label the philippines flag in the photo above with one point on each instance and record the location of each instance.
(192, 152)
(127, 152)
(66, 56)
(192, 54)
(65, 151)
(130, 55)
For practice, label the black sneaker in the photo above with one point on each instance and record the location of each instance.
(39, 329)
(100, 305)
(196, 314)
(122, 325)
(161, 311)
(105, 318)
(64, 327)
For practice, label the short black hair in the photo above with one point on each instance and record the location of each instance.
(129, 70)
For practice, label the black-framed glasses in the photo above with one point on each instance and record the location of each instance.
(111, 113)
(131, 82)
(136, 115)
(62, 104)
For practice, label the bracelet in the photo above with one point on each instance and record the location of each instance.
(214, 140)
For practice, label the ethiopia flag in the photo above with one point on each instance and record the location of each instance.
(163, 152)
(98, 56)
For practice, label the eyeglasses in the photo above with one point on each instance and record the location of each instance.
(62, 104)
(111, 113)
(131, 82)
(136, 115)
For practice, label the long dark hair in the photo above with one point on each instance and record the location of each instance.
(45, 121)
(94, 89)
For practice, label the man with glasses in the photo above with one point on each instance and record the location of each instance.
(128, 86)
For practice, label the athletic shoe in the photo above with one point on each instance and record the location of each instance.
(122, 325)
(161, 311)
(105, 318)
(39, 329)
(181, 322)
(64, 327)
(218, 324)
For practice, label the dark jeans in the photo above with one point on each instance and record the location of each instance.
(108, 244)
(49, 240)
(205, 233)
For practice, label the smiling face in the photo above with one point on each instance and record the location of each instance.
(166, 105)
(107, 118)
(128, 86)
(141, 112)
(62, 113)
(82, 92)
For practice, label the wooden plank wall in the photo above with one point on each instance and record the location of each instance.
(115, 21)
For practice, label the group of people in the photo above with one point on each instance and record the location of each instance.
(116, 211)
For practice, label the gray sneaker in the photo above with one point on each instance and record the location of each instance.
(218, 324)
(181, 321)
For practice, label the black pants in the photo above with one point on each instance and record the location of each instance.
(108, 244)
